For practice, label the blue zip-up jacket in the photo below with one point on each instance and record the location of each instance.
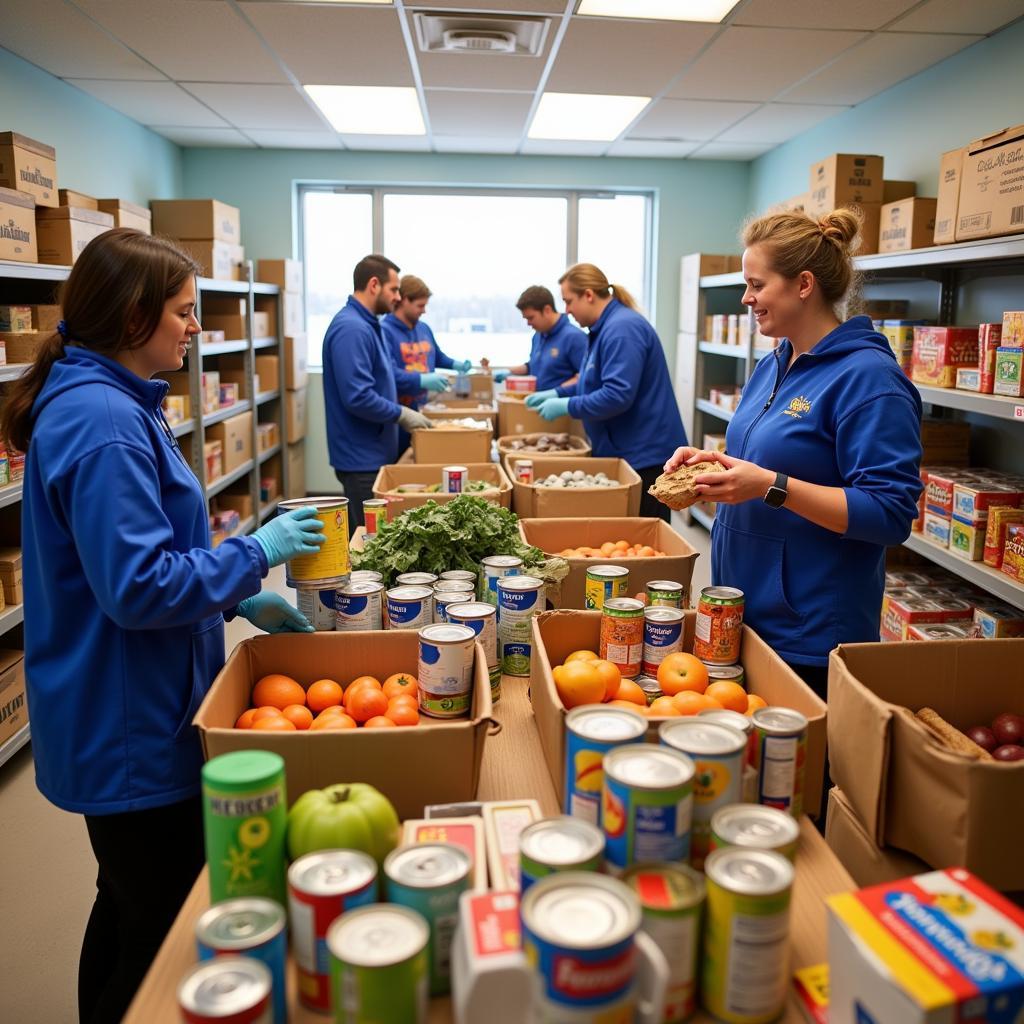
(624, 395)
(414, 350)
(360, 397)
(845, 415)
(557, 355)
(124, 630)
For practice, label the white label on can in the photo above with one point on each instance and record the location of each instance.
(302, 929)
(317, 606)
(446, 669)
(584, 807)
(486, 634)
(624, 654)
(778, 768)
(359, 611)
(676, 936)
(755, 985)
(703, 627)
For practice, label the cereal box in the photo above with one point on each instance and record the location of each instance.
(1013, 329)
(995, 533)
(936, 529)
(972, 499)
(989, 336)
(940, 351)
(938, 491)
(967, 539)
(903, 612)
(1009, 379)
(1013, 552)
(999, 621)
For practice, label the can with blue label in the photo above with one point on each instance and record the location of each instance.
(520, 598)
(317, 605)
(647, 805)
(409, 607)
(494, 568)
(446, 670)
(663, 635)
(482, 618)
(359, 605)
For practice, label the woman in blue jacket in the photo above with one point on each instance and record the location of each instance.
(124, 598)
(822, 455)
(624, 392)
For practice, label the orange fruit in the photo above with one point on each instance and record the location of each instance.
(754, 703)
(664, 706)
(324, 693)
(405, 698)
(245, 719)
(278, 691)
(632, 705)
(680, 672)
(580, 656)
(401, 712)
(379, 722)
(265, 712)
(299, 715)
(332, 709)
(325, 720)
(580, 683)
(621, 545)
(274, 723)
(730, 695)
(610, 674)
(362, 683)
(360, 680)
(689, 702)
(366, 703)
(399, 683)
(630, 691)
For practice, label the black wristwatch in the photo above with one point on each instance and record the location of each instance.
(777, 493)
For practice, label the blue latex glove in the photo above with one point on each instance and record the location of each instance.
(538, 398)
(553, 408)
(464, 367)
(434, 382)
(299, 532)
(273, 614)
(500, 375)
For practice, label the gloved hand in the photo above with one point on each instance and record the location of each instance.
(540, 397)
(464, 367)
(299, 532)
(434, 382)
(553, 408)
(410, 420)
(273, 614)
(500, 375)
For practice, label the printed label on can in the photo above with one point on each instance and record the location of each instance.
(622, 635)
(719, 626)
(663, 635)
(517, 605)
(645, 825)
(410, 610)
(318, 607)
(332, 560)
(446, 671)
(588, 737)
(359, 606)
(604, 583)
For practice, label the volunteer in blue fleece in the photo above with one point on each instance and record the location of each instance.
(822, 454)
(124, 598)
(360, 394)
(624, 393)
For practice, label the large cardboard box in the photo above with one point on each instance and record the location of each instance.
(947, 203)
(555, 535)
(234, 326)
(436, 762)
(515, 417)
(579, 446)
(23, 348)
(220, 261)
(13, 709)
(907, 790)
(294, 415)
(197, 218)
(460, 409)
(69, 197)
(451, 445)
(296, 455)
(18, 227)
(557, 634)
(293, 313)
(533, 502)
(296, 351)
(30, 167)
(842, 179)
(286, 274)
(235, 434)
(991, 202)
(240, 502)
(64, 231)
(392, 477)
(481, 390)
(128, 215)
(907, 224)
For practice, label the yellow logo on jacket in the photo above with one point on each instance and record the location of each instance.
(797, 408)
(554, 352)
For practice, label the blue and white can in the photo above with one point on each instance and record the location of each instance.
(520, 598)
(494, 568)
(317, 605)
(409, 608)
(663, 635)
(359, 606)
(482, 618)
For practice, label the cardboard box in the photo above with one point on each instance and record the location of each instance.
(940, 351)
(515, 417)
(947, 203)
(437, 762)
(481, 390)
(206, 219)
(64, 231)
(579, 447)
(29, 167)
(235, 326)
(448, 446)
(286, 274)
(23, 347)
(907, 224)
(235, 434)
(557, 634)
(240, 503)
(295, 415)
(998, 621)
(293, 313)
(871, 221)
(391, 477)
(972, 499)
(907, 790)
(296, 455)
(1009, 378)
(16, 319)
(990, 194)
(267, 435)
(845, 178)
(967, 539)
(892, 191)
(128, 215)
(1013, 552)
(68, 197)
(13, 709)
(1011, 330)
(45, 318)
(533, 502)
(213, 453)
(18, 227)
(995, 533)
(220, 261)
(296, 351)
(555, 535)
(460, 409)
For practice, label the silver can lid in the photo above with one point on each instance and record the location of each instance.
(454, 587)
(327, 504)
(332, 872)
(755, 826)
(502, 561)
(240, 924)
(444, 633)
(581, 910)
(669, 585)
(367, 576)
(520, 583)
(409, 593)
(378, 936)
(608, 570)
(730, 594)
(459, 574)
(416, 579)
(561, 841)
(625, 604)
(659, 613)
(471, 610)
(749, 872)
(427, 865)
(643, 766)
(224, 987)
(361, 587)
(733, 719)
(698, 738)
(607, 725)
(779, 721)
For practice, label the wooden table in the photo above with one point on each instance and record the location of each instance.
(513, 767)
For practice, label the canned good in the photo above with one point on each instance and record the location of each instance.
(379, 965)
(755, 828)
(366, 576)
(375, 514)
(442, 602)
(409, 607)
(483, 620)
(647, 805)
(321, 887)
(524, 471)
(590, 732)
(228, 988)
(522, 384)
(745, 725)
(492, 569)
(331, 562)
(719, 625)
(651, 687)
(454, 587)
(359, 606)
(520, 598)
(781, 755)
(558, 844)
(454, 479)
(460, 575)
(663, 635)
(665, 593)
(672, 901)
(622, 635)
(446, 670)
(429, 878)
(416, 579)
(745, 972)
(605, 582)
(244, 822)
(718, 752)
(317, 605)
(726, 673)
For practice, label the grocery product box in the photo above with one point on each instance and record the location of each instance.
(391, 478)
(1013, 552)
(989, 340)
(895, 190)
(844, 178)
(220, 261)
(557, 634)
(267, 435)
(209, 390)
(936, 528)
(69, 197)
(947, 201)
(13, 709)
(999, 520)
(901, 611)
(197, 218)
(295, 415)
(907, 224)
(286, 274)
(1011, 334)
(239, 502)
(16, 319)
(461, 409)
(128, 215)
(940, 351)
(24, 346)
(213, 454)
(64, 231)
(967, 539)
(968, 379)
(235, 435)
(176, 409)
(29, 167)
(1009, 378)
(296, 456)
(900, 335)
(515, 417)
(434, 762)
(907, 790)
(972, 499)
(18, 240)
(553, 536)
(296, 351)
(998, 621)
(531, 501)
(450, 445)
(990, 196)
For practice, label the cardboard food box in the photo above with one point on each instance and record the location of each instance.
(557, 634)
(460, 409)
(45, 318)
(29, 167)
(967, 539)
(64, 231)
(1009, 378)
(390, 478)
(990, 196)
(1013, 552)
(295, 415)
(480, 389)
(23, 347)
(16, 319)
(213, 453)
(220, 261)
(1011, 330)
(506, 446)
(267, 435)
(450, 445)
(555, 535)
(972, 499)
(435, 762)
(1000, 518)
(947, 202)
(296, 373)
(240, 502)
(235, 434)
(68, 197)
(206, 219)
(531, 501)
(515, 417)
(13, 709)
(907, 224)
(18, 227)
(908, 791)
(845, 178)
(11, 575)
(997, 621)
(286, 274)
(234, 325)
(296, 455)
(128, 215)
(293, 313)
(940, 351)
(892, 191)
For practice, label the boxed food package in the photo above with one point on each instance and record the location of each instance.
(176, 409)
(844, 178)
(453, 749)
(989, 340)
(68, 197)
(220, 261)
(449, 445)
(196, 219)
(968, 379)
(11, 575)
(937, 528)
(940, 487)
(946, 204)
(13, 709)
(29, 167)
(900, 335)
(128, 215)
(213, 453)
(907, 224)
(209, 389)
(990, 196)
(972, 499)
(1013, 553)
(18, 240)
(534, 501)
(940, 351)
(408, 486)
(286, 274)
(996, 621)
(295, 415)
(235, 436)
(967, 539)
(295, 366)
(999, 520)
(296, 456)
(64, 231)
(267, 435)
(901, 611)
(16, 319)
(229, 392)
(1009, 380)
(1012, 329)
(958, 630)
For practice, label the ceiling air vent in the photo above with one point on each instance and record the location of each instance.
(480, 34)
(478, 41)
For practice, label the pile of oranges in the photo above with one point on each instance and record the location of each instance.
(280, 704)
(612, 549)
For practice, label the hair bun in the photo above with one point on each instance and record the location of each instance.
(841, 226)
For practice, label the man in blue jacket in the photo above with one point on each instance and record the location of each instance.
(360, 396)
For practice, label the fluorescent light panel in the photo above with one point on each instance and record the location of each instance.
(584, 117)
(658, 10)
(369, 109)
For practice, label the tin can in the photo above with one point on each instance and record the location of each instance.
(651, 687)
(446, 670)
(494, 568)
(745, 971)
(781, 755)
(558, 844)
(520, 598)
(663, 635)
(429, 878)
(672, 901)
(229, 988)
(379, 965)
(321, 887)
(416, 579)
(409, 607)
(244, 822)
(755, 828)
(622, 635)
(745, 725)
(455, 587)
(647, 805)
(718, 752)
(460, 576)
(666, 594)
(719, 625)
(454, 479)
(331, 562)
(442, 602)
(603, 583)
(375, 514)
(524, 471)
(359, 606)
(483, 620)
(726, 673)
(590, 732)
(522, 384)
(366, 576)
(317, 605)
(252, 928)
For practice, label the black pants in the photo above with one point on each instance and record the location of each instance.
(816, 677)
(148, 861)
(650, 507)
(358, 487)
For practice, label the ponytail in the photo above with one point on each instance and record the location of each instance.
(582, 276)
(624, 296)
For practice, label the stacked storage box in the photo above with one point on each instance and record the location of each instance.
(210, 230)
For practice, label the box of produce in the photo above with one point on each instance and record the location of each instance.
(911, 776)
(542, 445)
(571, 486)
(940, 351)
(461, 409)
(458, 441)
(433, 761)
(408, 486)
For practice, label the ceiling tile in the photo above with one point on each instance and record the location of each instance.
(258, 106)
(559, 147)
(293, 140)
(213, 137)
(389, 143)
(689, 119)
(651, 148)
(853, 14)
(777, 122)
(958, 16)
(151, 103)
(474, 144)
(468, 70)
(758, 63)
(470, 113)
(731, 151)
(881, 62)
(494, 6)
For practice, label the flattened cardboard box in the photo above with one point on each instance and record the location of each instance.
(533, 502)
(13, 709)
(434, 762)
(30, 167)
(18, 227)
(451, 445)
(391, 477)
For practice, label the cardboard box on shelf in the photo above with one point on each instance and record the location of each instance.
(234, 326)
(13, 709)
(209, 390)
(11, 575)
(68, 197)
(23, 347)
(240, 502)
(1009, 378)
(220, 261)
(461, 409)
(1011, 330)
(947, 202)
(990, 197)
(213, 453)
(997, 621)
(1013, 552)
(296, 455)
(45, 318)
(128, 215)
(481, 390)
(235, 434)
(999, 519)
(18, 240)
(907, 224)
(268, 369)
(29, 167)
(842, 179)
(267, 435)
(295, 415)
(197, 219)
(515, 417)
(940, 351)
(16, 319)
(286, 274)
(296, 374)
(64, 231)
(447, 445)
(967, 539)
(892, 191)
(531, 501)
(177, 408)
(293, 313)
(989, 340)
(390, 478)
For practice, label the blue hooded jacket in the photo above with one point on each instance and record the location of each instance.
(124, 630)
(624, 395)
(557, 355)
(845, 415)
(360, 397)
(414, 350)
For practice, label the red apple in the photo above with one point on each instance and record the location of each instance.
(1009, 752)
(1008, 728)
(983, 736)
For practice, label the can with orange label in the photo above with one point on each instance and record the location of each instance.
(719, 626)
(622, 634)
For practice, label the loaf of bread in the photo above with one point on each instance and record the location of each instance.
(677, 489)
(952, 738)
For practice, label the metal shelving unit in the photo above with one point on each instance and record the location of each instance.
(14, 743)
(226, 412)
(222, 482)
(12, 371)
(183, 428)
(268, 454)
(731, 351)
(223, 348)
(995, 582)
(996, 406)
(10, 495)
(267, 396)
(714, 410)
